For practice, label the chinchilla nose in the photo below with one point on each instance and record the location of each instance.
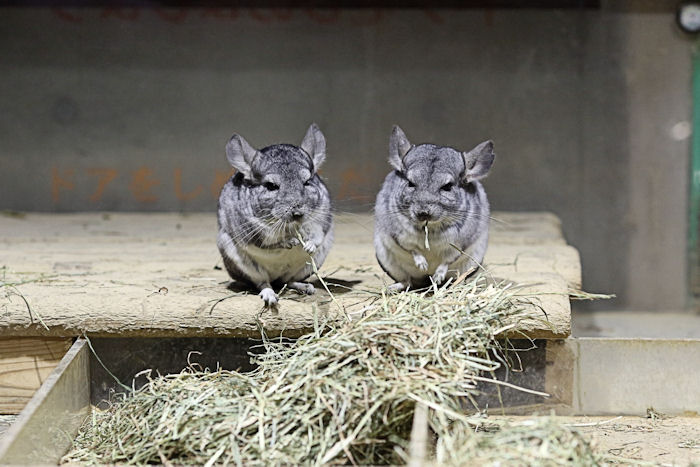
(424, 216)
(297, 215)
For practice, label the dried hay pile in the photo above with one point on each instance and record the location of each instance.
(343, 394)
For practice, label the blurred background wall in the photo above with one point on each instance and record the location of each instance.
(129, 109)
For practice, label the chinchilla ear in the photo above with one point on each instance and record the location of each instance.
(398, 148)
(241, 155)
(478, 161)
(314, 144)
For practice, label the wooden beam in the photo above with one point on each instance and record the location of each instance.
(42, 434)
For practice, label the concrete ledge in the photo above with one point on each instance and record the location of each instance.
(159, 275)
(658, 324)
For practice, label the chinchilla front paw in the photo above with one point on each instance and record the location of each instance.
(440, 273)
(302, 287)
(396, 287)
(269, 296)
(421, 262)
(309, 247)
(291, 243)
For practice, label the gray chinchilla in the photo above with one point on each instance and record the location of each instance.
(275, 196)
(432, 215)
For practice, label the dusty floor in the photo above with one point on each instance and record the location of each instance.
(663, 441)
(659, 439)
(638, 324)
(666, 441)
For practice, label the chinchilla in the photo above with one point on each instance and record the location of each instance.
(432, 214)
(275, 198)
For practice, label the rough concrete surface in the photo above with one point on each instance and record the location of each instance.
(627, 376)
(159, 275)
(638, 324)
(667, 441)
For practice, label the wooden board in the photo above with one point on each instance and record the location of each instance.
(25, 363)
(42, 433)
(160, 275)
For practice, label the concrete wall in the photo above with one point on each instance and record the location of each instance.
(130, 109)
(657, 64)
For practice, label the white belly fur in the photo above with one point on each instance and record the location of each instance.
(435, 257)
(279, 263)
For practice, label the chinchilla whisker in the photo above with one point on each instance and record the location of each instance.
(452, 215)
(479, 215)
(269, 220)
(252, 227)
(355, 219)
(349, 213)
(245, 238)
(242, 234)
(396, 211)
(313, 215)
(277, 228)
(281, 226)
(255, 229)
(316, 217)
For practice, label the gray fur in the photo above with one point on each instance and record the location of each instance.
(438, 186)
(275, 193)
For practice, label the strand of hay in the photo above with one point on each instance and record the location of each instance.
(343, 394)
(10, 290)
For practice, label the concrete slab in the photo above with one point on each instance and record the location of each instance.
(629, 376)
(602, 376)
(642, 324)
(545, 258)
(526, 228)
(159, 275)
(665, 441)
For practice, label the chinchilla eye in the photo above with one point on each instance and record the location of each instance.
(447, 187)
(307, 183)
(411, 184)
(271, 186)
